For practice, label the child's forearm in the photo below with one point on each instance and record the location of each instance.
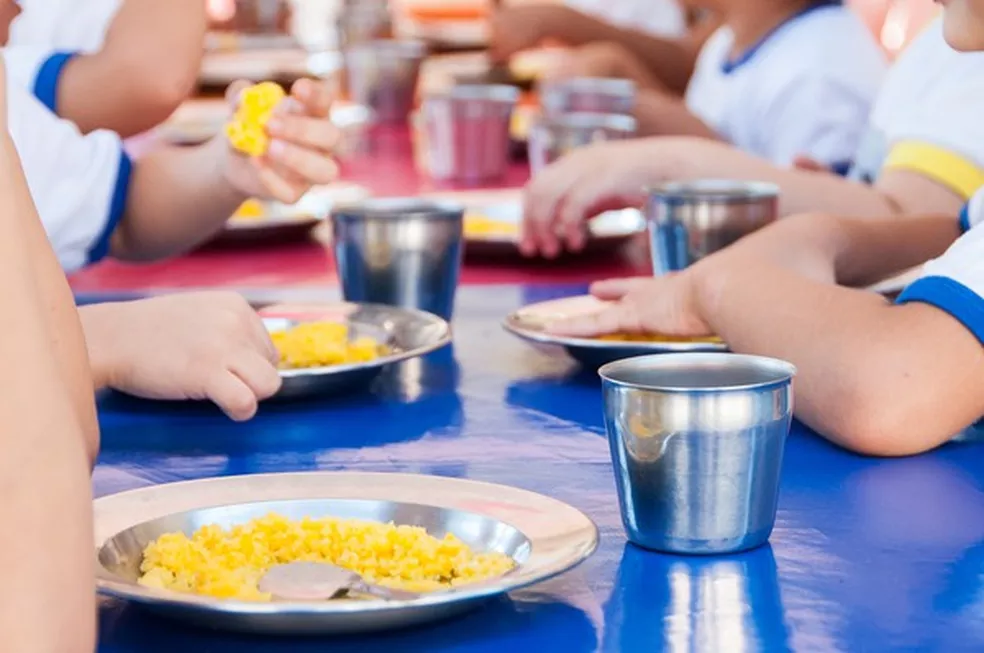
(147, 66)
(873, 377)
(178, 198)
(44, 477)
(659, 114)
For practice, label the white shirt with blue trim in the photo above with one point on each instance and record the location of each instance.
(47, 34)
(806, 89)
(79, 183)
(954, 283)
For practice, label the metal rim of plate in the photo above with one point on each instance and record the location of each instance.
(309, 211)
(515, 324)
(371, 319)
(561, 537)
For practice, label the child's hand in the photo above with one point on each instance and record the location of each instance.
(209, 345)
(644, 305)
(302, 142)
(515, 29)
(562, 197)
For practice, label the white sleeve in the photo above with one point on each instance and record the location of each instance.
(813, 116)
(954, 283)
(79, 183)
(37, 70)
(72, 25)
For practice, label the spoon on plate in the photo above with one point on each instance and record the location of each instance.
(321, 581)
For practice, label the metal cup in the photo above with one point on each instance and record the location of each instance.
(367, 20)
(689, 220)
(466, 132)
(587, 95)
(697, 444)
(551, 138)
(400, 252)
(382, 75)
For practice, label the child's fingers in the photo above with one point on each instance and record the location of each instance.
(314, 96)
(232, 395)
(316, 134)
(313, 167)
(235, 90)
(613, 289)
(276, 185)
(604, 322)
(257, 373)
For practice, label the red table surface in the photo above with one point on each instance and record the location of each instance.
(387, 169)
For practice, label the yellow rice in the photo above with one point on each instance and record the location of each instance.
(317, 344)
(247, 129)
(228, 564)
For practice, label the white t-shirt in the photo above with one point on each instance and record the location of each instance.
(656, 17)
(47, 33)
(79, 183)
(955, 282)
(804, 90)
(928, 116)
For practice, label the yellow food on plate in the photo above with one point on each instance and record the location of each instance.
(628, 337)
(251, 209)
(319, 344)
(477, 224)
(247, 129)
(228, 563)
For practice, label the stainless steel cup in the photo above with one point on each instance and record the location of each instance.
(689, 220)
(382, 75)
(587, 95)
(401, 252)
(697, 444)
(466, 132)
(552, 137)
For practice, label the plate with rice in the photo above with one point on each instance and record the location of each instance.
(195, 550)
(334, 348)
(530, 322)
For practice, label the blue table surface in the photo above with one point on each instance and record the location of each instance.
(867, 555)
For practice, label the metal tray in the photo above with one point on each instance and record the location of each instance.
(528, 323)
(544, 536)
(409, 333)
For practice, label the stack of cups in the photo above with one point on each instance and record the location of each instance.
(578, 112)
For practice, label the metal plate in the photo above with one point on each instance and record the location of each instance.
(528, 323)
(608, 231)
(409, 333)
(221, 68)
(545, 536)
(282, 222)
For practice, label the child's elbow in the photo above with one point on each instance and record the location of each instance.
(876, 423)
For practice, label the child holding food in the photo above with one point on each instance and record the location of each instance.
(876, 377)
(143, 56)
(923, 152)
(50, 433)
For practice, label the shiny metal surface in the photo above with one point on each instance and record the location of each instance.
(689, 220)
(466, 132)
(697, 444)
(401, 252)
(544, 536)
(409, 333)
(363, 21)
(587, 95)
(867, 555)
(552, 137)
(382, 75)
(530, 321)
(304, 580)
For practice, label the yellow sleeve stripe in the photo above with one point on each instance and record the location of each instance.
(960, 175)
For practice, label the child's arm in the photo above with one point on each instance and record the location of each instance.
(661, 114)
(670, 60)
(147, 66)
(48, 415)
(874, 377)
(615, 175)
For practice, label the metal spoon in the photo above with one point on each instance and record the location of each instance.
(320, 581)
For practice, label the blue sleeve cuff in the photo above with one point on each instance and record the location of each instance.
(117, 207)
(842, 168)
(965, 218)
(950, 296)
(46, 83)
